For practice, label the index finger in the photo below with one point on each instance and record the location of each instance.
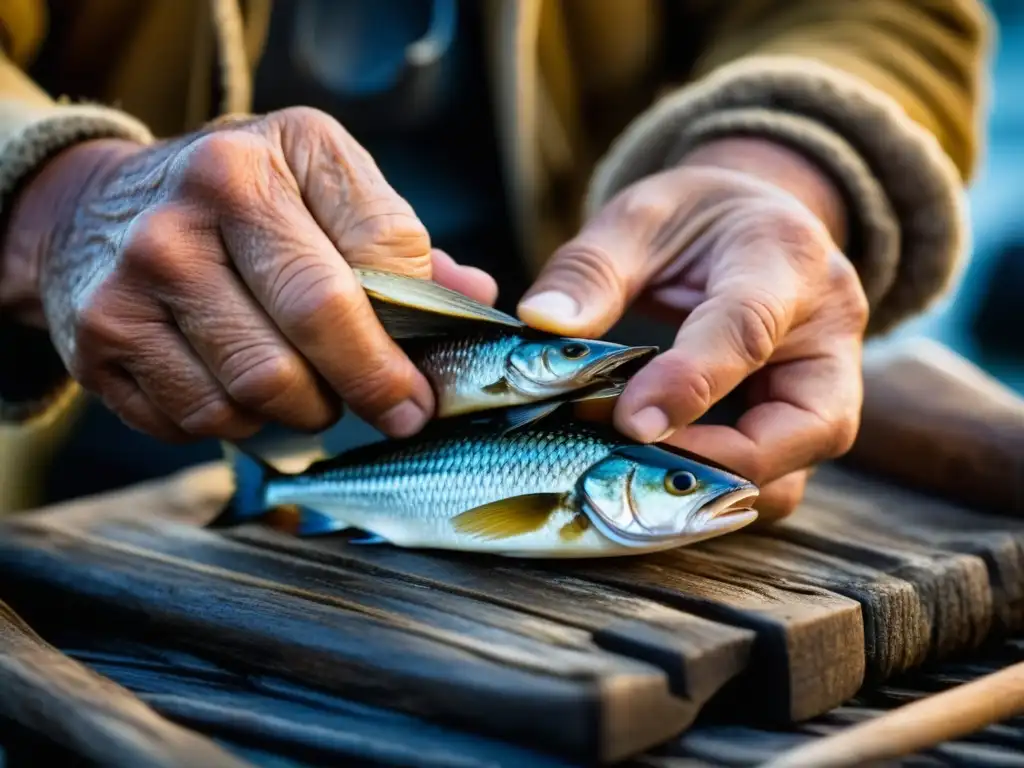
(750, 307)
(812, 415)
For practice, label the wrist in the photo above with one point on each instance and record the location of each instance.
(786, 168)
(45, 205)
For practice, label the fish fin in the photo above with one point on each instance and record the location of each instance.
(250, 474)
(314, 523)
(517, 417)
(508, 518)
(409, 307)
(369, 539)
(500, 387)
(574, 528)
(600, 391)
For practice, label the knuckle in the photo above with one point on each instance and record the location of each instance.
(304, 119)
(96, 329)
(844, 435)
(307, 288)
(304, 116)
(379, 231)
(695, 388)
(757, 327)
(849, 290)
(223, 166)
(377, 385)
(643, 206)
(588, 263)
(211, 417)
(799, 229)
(151, 246)
(794, 230)
(263, 378)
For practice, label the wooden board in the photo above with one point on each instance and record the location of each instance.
(86, 713)
(945, 525)
(955, 605)
(275, 716)
(691, 650)
(425, 652)
(809, 653)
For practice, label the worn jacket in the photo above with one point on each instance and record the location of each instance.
(590, 95)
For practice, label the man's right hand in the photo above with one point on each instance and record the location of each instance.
(203, 286)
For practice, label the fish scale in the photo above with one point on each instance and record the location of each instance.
(434, 477)
(475, 360)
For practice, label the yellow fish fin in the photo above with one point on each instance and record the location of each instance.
(508, 518)
(574, 528)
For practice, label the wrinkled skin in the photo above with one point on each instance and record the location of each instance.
(738, 246)
(202, 286)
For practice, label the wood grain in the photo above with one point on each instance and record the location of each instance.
(935, 421)
(427, 654)
(809, 652)
(953, 589)
(49, 693)
(950, 527)
(283, 720)
(699, 656)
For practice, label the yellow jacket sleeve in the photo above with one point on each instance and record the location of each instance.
(34, 126)
(887, 95)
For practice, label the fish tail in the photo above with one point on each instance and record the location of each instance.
(250, 475)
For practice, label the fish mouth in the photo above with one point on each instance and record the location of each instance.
(615, 361)
(729, 512)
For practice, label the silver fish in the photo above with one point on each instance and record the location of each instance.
(510, 486)
(478, 358)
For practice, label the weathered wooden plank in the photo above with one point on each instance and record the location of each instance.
(809, 652)
(46, 692)
(998, 540)
(824, 632)
(286, 720)
(954, 588)
(934, 420)
(558, 694)
(699, 656)
(893, 613)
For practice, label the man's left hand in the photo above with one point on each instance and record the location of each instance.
(738, 245)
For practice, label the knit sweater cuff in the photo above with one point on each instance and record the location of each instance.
(42, 384)
(904, 195)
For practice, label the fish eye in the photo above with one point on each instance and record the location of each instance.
(680, 482)
(574, 350)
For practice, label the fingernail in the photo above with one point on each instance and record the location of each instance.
(649, 425)
(402, 420)
(550, 305)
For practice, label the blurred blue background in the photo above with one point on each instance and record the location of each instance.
(983, 317)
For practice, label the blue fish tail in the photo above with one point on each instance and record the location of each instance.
(250, 475)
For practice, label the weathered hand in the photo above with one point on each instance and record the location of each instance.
(763, 294)
(202, 286)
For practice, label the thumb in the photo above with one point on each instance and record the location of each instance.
(587, 284)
